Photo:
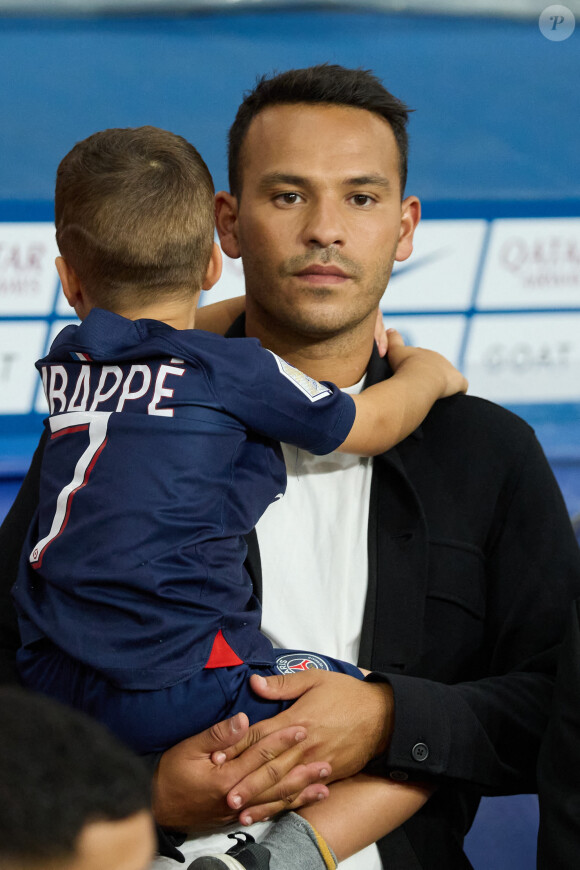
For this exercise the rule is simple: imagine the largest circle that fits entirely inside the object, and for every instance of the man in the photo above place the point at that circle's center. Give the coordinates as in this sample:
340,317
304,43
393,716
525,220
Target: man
449,562
72,797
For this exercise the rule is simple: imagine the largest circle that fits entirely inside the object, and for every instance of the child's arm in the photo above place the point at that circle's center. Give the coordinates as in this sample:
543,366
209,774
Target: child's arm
387,412
362,809
219,316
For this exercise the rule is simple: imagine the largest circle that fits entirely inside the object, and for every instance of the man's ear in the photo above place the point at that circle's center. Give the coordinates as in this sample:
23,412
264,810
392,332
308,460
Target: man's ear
71,287
214,268
410,217
226,221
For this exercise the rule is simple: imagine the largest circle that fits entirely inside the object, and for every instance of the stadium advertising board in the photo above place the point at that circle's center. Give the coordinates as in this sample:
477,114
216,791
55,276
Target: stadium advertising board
499,296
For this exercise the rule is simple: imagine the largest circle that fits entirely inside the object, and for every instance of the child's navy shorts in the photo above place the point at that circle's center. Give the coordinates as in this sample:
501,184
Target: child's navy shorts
152,721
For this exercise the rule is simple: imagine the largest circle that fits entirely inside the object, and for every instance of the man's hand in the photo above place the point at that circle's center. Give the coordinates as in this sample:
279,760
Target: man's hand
190,784
347,721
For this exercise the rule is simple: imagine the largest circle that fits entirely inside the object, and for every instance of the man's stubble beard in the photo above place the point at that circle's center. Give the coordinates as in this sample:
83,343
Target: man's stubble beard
318,319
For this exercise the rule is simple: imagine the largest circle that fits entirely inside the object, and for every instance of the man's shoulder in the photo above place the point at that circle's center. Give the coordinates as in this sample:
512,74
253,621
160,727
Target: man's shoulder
474,446
470,424
467,410
463,417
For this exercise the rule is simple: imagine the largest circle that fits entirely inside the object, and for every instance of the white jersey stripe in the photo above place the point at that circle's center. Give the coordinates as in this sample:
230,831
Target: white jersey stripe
96,423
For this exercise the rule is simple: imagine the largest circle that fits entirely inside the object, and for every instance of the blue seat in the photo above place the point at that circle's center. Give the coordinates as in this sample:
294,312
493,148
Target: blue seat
504,833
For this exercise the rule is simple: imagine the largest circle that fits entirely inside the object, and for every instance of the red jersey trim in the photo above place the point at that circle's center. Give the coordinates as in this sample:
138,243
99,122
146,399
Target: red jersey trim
222,655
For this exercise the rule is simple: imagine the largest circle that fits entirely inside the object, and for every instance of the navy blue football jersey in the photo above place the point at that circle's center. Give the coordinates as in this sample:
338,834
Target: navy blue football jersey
163,452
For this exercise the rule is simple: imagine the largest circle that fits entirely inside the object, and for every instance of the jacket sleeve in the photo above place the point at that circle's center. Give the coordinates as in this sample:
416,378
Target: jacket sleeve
12,536
559,763
486,732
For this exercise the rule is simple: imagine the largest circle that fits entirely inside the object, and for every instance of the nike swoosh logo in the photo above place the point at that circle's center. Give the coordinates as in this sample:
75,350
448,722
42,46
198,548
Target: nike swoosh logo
421,262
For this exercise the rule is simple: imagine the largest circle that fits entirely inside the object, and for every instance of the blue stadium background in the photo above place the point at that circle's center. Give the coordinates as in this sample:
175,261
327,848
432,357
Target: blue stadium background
495,132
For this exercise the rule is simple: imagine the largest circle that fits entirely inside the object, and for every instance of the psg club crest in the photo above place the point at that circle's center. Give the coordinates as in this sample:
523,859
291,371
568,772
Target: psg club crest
293,663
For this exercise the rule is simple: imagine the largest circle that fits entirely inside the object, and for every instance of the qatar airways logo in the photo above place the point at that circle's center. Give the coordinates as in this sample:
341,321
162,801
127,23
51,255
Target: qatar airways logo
20,269
532,263
28,278
547,261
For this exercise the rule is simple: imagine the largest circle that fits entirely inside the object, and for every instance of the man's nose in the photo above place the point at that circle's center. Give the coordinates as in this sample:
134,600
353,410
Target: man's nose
324,225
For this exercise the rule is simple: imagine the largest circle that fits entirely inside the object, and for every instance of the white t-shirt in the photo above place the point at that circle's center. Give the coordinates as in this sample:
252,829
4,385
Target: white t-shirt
313,549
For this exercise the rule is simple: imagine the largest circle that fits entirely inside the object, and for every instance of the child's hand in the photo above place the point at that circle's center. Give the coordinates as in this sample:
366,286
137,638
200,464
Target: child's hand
452,381
381,339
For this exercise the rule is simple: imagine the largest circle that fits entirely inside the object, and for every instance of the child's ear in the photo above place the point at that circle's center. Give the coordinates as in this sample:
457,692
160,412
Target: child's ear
70,283
214,268
72,288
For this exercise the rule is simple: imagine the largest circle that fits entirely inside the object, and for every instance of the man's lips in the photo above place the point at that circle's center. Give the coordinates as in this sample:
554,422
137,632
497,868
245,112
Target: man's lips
323,274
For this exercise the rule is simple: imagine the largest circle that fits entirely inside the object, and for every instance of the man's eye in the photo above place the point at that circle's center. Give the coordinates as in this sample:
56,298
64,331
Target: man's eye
362,199
288,198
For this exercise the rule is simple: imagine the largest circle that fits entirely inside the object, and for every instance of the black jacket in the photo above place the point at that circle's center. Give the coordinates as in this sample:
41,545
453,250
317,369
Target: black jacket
472,568
473,565
559,763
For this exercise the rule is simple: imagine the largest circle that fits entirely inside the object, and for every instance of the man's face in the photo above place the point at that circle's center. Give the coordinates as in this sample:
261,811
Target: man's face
319,221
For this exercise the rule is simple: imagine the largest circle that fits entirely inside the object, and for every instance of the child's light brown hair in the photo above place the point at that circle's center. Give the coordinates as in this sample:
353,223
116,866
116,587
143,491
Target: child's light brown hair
134,215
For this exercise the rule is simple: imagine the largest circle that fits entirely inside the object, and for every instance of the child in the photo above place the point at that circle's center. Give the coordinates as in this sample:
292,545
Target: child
164,451
72,796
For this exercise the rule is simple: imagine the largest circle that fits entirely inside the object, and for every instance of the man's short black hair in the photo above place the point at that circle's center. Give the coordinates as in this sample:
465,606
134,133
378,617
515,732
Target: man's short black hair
325,83
59,770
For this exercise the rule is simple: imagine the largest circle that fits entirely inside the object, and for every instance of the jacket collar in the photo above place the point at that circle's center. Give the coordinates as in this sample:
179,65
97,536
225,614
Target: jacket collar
379,370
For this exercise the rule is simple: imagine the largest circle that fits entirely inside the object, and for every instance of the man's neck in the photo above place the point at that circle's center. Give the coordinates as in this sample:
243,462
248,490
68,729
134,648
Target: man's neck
342,359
